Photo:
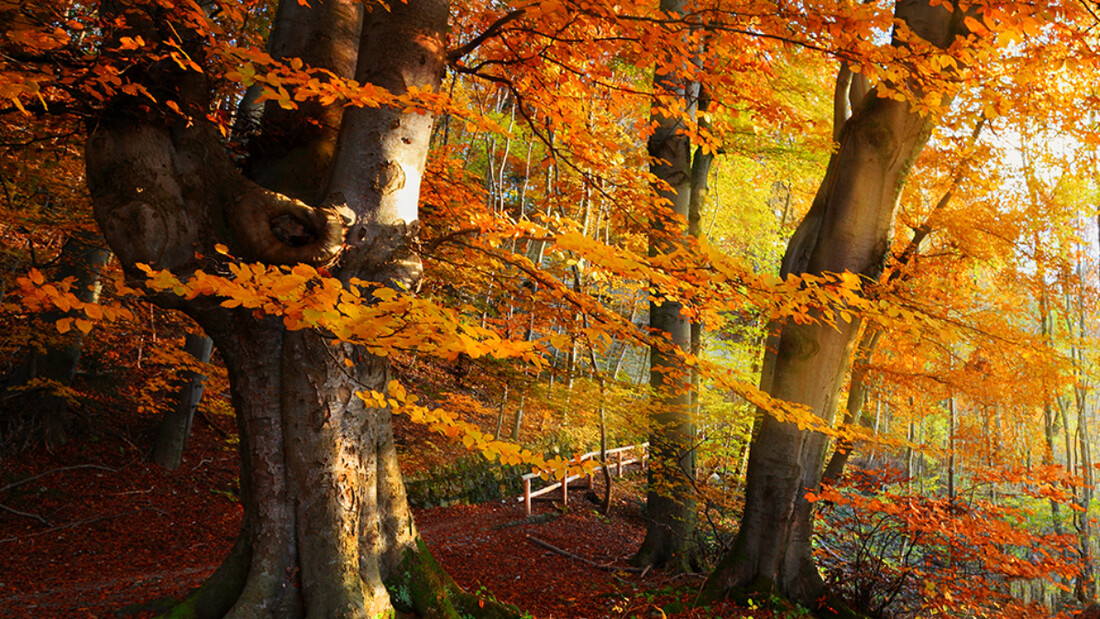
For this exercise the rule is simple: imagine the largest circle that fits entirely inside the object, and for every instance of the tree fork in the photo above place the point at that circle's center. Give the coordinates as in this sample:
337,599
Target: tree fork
326,522
846,230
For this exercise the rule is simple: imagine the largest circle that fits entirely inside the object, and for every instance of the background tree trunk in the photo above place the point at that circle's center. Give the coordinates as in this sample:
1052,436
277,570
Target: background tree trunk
175,427
670,494
42,413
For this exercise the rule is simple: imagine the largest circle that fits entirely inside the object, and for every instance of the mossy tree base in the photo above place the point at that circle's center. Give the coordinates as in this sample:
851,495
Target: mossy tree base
419,587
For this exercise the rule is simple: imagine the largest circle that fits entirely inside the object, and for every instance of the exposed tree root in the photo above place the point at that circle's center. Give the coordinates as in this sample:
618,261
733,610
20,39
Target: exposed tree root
419,587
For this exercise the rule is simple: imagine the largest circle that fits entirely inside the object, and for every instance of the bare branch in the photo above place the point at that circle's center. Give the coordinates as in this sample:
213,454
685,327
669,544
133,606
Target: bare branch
491,31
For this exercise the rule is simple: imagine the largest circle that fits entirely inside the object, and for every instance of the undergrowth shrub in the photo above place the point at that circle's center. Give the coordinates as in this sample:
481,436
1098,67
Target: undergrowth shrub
893,554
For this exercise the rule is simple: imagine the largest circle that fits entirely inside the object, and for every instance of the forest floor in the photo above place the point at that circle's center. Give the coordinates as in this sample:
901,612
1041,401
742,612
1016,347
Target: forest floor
92,528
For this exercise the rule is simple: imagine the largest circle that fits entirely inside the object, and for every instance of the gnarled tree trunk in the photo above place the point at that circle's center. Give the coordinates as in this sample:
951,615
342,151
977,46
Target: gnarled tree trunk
847,228
327,531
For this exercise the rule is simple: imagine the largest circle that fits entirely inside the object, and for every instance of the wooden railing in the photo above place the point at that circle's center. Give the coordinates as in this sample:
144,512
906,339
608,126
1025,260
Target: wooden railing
616,459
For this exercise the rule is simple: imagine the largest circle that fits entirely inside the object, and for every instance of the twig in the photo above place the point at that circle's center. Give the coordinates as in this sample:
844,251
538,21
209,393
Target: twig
58,470
24,514
76,523
599,566
133,492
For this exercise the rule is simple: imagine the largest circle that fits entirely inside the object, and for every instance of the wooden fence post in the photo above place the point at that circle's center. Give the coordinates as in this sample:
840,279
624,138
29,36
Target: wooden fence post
527,494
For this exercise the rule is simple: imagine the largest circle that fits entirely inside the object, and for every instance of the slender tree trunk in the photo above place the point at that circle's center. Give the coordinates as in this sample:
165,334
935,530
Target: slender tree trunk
517,423
847,229
1048,459
670,498
853,411
953,420
1086,580
700,176
910,457
176,425
500,412
605,503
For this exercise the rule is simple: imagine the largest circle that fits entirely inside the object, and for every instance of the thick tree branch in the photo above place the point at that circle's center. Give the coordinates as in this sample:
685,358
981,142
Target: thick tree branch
491,31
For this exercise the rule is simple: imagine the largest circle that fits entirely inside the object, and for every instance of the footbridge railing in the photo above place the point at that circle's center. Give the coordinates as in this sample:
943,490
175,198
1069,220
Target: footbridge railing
617,460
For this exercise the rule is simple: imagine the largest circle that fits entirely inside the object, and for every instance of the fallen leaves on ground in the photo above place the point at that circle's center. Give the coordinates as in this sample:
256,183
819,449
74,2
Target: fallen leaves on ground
104,528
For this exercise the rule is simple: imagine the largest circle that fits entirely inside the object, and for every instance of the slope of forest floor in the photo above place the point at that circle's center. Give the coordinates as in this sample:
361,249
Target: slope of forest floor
93,527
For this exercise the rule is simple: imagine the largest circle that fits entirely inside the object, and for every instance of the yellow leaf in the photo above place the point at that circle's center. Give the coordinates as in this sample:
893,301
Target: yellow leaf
64,325
130,43
83,325
221,249
385,294
94,312
36,277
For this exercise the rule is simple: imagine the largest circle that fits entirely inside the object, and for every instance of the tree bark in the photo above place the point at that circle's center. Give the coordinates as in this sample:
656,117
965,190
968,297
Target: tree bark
848,229
670,493
176,425
42,413
327,530
1085,587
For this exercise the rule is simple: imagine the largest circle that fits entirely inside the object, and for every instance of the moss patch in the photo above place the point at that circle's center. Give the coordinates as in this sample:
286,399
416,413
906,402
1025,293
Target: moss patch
422,588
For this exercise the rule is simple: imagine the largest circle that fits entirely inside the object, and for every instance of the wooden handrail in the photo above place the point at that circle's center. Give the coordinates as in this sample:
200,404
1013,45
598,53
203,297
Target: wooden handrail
617,467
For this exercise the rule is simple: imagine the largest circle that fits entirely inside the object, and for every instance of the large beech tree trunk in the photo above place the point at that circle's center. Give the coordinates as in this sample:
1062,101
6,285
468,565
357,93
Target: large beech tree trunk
327,531
847,229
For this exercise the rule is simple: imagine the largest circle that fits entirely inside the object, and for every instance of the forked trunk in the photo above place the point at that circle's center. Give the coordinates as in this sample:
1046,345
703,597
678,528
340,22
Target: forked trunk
327,531
847,229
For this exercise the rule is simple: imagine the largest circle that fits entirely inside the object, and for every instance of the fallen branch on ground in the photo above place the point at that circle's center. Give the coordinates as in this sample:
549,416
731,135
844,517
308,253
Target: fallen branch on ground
599,566
25,514
57,470
77,523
